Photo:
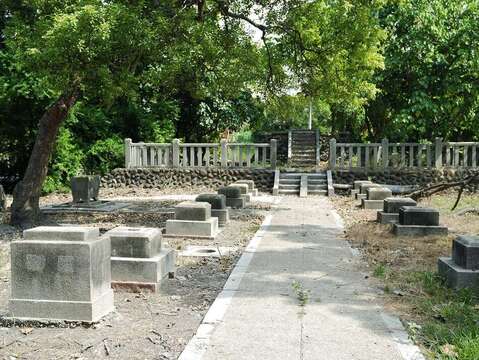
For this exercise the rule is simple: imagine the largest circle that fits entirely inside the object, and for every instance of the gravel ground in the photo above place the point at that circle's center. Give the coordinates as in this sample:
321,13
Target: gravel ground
144,325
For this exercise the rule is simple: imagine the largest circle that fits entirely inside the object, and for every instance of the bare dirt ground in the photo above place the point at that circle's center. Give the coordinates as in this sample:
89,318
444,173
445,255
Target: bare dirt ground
395,258
144,325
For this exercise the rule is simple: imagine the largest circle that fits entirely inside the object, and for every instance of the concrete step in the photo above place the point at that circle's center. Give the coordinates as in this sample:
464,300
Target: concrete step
317,192
289,176
289,181
288,192
317,187
289,186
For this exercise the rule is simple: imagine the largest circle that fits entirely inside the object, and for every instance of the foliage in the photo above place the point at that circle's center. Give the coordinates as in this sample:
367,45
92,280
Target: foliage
429,86
105,155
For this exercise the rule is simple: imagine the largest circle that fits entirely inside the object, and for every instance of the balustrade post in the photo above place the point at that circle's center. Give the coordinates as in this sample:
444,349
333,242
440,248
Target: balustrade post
224,153
273,153
438,153
385,152
128,153
290,145
332,154
176,152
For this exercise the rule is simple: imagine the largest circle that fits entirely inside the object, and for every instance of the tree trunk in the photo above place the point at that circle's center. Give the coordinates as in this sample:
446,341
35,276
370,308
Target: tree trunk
25,207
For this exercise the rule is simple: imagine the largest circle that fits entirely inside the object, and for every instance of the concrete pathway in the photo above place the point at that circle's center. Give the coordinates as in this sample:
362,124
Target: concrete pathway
258,314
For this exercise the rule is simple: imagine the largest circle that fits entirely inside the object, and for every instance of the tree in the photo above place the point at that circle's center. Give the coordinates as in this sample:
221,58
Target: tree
430,84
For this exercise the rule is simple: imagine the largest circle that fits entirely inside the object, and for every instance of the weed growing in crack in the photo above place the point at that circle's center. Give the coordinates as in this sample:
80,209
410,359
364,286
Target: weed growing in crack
301,293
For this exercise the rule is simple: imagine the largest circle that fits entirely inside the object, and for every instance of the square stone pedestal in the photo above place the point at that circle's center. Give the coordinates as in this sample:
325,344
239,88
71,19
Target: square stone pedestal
236,203
372,204
207,229
143,273
233,195
223,216
457,277
419,230
61,273
387,218
138,260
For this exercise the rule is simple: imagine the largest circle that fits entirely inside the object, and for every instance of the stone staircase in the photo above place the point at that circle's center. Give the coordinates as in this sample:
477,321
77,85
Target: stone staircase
301,184
303,148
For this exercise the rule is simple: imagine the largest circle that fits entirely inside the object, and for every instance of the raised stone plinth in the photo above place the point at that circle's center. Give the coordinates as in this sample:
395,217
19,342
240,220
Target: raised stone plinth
357,184
363,188
192,210
251,186
85,188
416,221
371,204
218,207
390,213
61,273
462,269
217,201
378,193
138,260
412,215
233,195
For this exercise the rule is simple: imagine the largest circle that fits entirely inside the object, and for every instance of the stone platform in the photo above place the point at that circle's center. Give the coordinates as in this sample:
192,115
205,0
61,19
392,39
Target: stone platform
204,229
419,230
456,276
61,273
371,204
387,218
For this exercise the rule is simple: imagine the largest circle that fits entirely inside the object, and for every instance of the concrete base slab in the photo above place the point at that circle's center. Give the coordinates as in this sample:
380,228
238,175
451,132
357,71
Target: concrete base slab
236,203
372,204
360,196
418,230
43,310
456,276
143,272
191,228
387,218
354,192
223,216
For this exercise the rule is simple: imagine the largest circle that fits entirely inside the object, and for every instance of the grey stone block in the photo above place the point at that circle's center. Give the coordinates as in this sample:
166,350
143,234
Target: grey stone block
250,184
457,277
238,203
247,198
144,272
372,204
254,192
223,216
64,233
354,192
379,193
387,218
465,252
242,187
412,215
360,196
418,230
364,187
61,280
191,210
217,201
231,192
393,204
357,184
189,228
134,242
85,188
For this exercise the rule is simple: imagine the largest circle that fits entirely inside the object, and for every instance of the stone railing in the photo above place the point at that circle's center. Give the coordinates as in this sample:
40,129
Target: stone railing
224,154
386,155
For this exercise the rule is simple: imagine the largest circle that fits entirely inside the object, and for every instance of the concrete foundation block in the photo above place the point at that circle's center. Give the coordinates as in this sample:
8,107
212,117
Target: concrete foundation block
393,204
192,210
418,230
254,192
85,188
230,192
217,201
360,197
357,184
354,192
143,273
247,198
242,187
372,204
63,233
61,279
190,228
387,218
134,242
412,215
378,193
236,203
465,252
364,187
250,184
223,216
457,277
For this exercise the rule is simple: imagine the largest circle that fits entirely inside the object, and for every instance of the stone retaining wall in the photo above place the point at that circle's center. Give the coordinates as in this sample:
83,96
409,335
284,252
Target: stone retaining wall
181,177
420,177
